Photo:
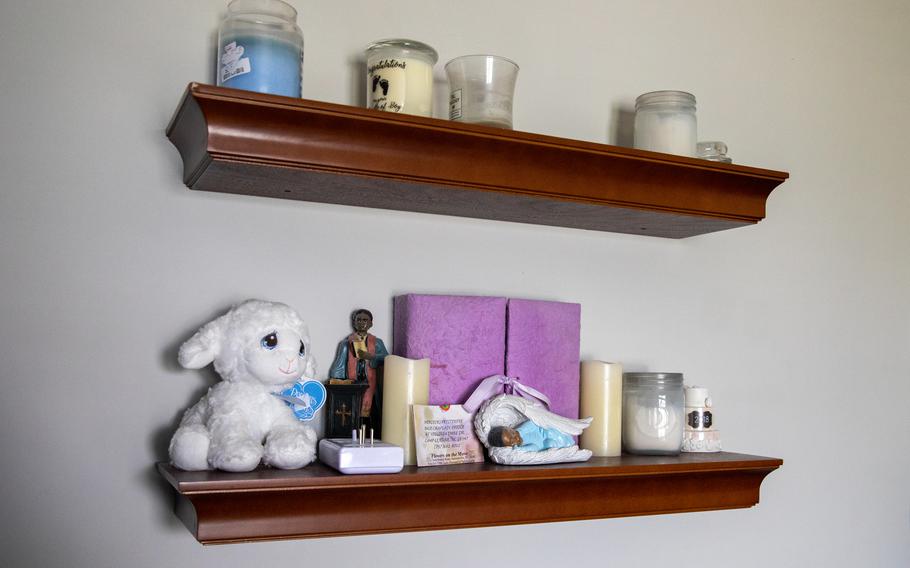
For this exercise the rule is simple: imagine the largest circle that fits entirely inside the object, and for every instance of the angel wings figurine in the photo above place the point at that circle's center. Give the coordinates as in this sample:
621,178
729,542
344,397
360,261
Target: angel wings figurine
518,431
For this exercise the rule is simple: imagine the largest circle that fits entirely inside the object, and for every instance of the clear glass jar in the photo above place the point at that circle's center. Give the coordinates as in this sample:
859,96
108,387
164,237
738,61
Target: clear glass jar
714,151
260,48
665,122
653,413
400,76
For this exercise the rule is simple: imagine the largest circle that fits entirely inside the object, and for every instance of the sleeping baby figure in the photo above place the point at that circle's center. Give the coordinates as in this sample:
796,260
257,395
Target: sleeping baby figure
529,437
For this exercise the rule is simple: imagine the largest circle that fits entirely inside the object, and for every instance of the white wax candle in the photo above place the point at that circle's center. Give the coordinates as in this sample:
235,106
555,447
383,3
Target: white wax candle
406,382
668,132
601,398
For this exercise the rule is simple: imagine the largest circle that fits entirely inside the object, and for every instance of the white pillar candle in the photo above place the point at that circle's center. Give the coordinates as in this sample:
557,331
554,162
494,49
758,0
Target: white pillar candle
406,382
601,398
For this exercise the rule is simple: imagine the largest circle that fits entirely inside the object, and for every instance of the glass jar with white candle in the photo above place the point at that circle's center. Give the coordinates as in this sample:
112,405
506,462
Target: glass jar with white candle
400,76
260,48
653,413
665,122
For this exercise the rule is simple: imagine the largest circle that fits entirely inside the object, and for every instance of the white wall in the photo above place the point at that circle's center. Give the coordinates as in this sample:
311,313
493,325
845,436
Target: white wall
800,325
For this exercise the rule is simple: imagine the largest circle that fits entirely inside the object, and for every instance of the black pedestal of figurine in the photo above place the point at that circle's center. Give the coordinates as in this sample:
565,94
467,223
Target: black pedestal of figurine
342,414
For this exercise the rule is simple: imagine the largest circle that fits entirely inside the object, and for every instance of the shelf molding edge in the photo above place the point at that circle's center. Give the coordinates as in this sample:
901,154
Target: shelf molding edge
248,143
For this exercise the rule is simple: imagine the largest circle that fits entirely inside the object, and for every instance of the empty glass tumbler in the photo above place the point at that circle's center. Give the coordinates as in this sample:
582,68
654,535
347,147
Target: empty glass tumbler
481,89
260,48
665,122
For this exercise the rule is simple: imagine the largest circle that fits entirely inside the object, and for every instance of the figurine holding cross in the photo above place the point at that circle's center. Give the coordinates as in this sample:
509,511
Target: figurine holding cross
358,357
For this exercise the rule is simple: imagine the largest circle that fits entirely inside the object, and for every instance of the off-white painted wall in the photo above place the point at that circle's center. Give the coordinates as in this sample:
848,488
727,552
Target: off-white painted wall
800,325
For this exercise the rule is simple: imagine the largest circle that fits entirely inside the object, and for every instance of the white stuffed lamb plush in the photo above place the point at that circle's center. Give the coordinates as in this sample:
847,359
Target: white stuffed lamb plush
258,348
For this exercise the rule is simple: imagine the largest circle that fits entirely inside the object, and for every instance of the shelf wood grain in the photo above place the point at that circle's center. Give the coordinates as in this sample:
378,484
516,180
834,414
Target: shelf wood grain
264,145
269,504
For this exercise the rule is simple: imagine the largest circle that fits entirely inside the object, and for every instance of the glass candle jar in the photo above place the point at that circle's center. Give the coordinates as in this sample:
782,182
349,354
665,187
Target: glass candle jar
665,122
714,151
260,48
400,76
653,413
481,89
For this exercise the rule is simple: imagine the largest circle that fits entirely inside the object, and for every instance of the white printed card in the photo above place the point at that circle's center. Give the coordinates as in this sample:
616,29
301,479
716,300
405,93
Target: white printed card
445,435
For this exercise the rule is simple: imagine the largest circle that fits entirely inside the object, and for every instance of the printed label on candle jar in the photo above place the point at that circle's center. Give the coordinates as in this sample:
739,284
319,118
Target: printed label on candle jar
233,63
455,105
387,84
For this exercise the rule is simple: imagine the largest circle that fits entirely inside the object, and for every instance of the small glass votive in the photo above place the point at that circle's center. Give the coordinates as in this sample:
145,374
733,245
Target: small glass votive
400,76
665,122
481,89
714,151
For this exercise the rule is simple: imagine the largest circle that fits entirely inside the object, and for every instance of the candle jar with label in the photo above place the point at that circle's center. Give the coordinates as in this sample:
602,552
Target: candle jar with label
653,413
260,48
400,76
665,122
481,89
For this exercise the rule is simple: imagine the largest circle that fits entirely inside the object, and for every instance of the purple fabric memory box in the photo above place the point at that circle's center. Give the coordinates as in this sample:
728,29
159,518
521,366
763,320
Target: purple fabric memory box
469,338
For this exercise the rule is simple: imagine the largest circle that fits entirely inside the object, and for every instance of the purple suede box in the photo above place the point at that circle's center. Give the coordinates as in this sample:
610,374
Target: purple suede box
542,350
464,337
469,338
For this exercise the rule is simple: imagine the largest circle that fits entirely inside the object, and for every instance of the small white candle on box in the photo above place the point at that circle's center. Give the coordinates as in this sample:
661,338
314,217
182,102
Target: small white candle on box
406,382
601,398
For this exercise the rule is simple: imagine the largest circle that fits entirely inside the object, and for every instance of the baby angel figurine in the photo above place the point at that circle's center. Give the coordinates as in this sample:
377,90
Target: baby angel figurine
518,431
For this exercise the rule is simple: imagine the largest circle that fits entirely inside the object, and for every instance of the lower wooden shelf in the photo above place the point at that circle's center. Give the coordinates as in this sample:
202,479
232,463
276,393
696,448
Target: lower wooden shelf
316,501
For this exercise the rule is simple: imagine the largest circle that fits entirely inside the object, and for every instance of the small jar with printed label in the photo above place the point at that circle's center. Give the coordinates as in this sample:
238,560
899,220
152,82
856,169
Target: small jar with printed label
260,48
400,76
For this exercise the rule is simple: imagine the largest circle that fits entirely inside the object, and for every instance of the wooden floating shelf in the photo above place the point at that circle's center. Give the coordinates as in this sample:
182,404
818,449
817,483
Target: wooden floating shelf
316,501
242,142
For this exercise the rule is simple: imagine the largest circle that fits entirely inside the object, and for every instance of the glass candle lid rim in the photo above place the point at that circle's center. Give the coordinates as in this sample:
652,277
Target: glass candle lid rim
276,8
671,379
407,45
496,57
665,97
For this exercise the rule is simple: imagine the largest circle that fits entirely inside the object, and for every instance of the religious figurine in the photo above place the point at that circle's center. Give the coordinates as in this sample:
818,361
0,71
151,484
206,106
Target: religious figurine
520,431
358,357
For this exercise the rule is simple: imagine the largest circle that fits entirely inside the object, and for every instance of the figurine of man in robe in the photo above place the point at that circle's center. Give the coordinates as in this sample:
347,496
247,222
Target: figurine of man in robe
358,356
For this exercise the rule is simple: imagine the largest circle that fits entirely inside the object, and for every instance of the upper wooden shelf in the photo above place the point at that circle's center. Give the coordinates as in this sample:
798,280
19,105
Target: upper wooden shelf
242,142
316,501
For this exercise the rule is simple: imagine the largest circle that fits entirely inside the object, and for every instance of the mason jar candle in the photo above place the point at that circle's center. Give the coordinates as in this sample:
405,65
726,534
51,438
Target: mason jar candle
400,76
665,122
260,48
653,413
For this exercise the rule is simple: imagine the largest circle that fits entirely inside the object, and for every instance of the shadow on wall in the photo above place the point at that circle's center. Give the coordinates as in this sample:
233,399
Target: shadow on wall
357,66
623,127
160,439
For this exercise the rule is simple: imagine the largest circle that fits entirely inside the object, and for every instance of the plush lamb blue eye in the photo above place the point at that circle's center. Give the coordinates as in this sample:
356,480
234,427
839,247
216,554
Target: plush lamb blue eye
302,349
270,341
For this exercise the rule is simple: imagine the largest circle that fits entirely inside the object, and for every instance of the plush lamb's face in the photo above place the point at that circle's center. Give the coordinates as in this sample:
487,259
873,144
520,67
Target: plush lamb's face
277,356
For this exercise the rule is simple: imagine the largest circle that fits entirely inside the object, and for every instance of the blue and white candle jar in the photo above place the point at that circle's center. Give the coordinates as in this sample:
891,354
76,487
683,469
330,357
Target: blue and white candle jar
260,48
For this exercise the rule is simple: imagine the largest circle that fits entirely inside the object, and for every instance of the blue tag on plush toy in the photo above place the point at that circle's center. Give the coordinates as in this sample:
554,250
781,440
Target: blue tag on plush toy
304,398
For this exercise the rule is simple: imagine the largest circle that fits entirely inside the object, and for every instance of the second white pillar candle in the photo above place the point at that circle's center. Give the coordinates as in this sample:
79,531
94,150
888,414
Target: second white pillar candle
601,398
406,382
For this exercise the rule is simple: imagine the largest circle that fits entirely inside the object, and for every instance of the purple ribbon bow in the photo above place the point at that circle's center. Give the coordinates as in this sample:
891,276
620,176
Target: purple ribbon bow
496,384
